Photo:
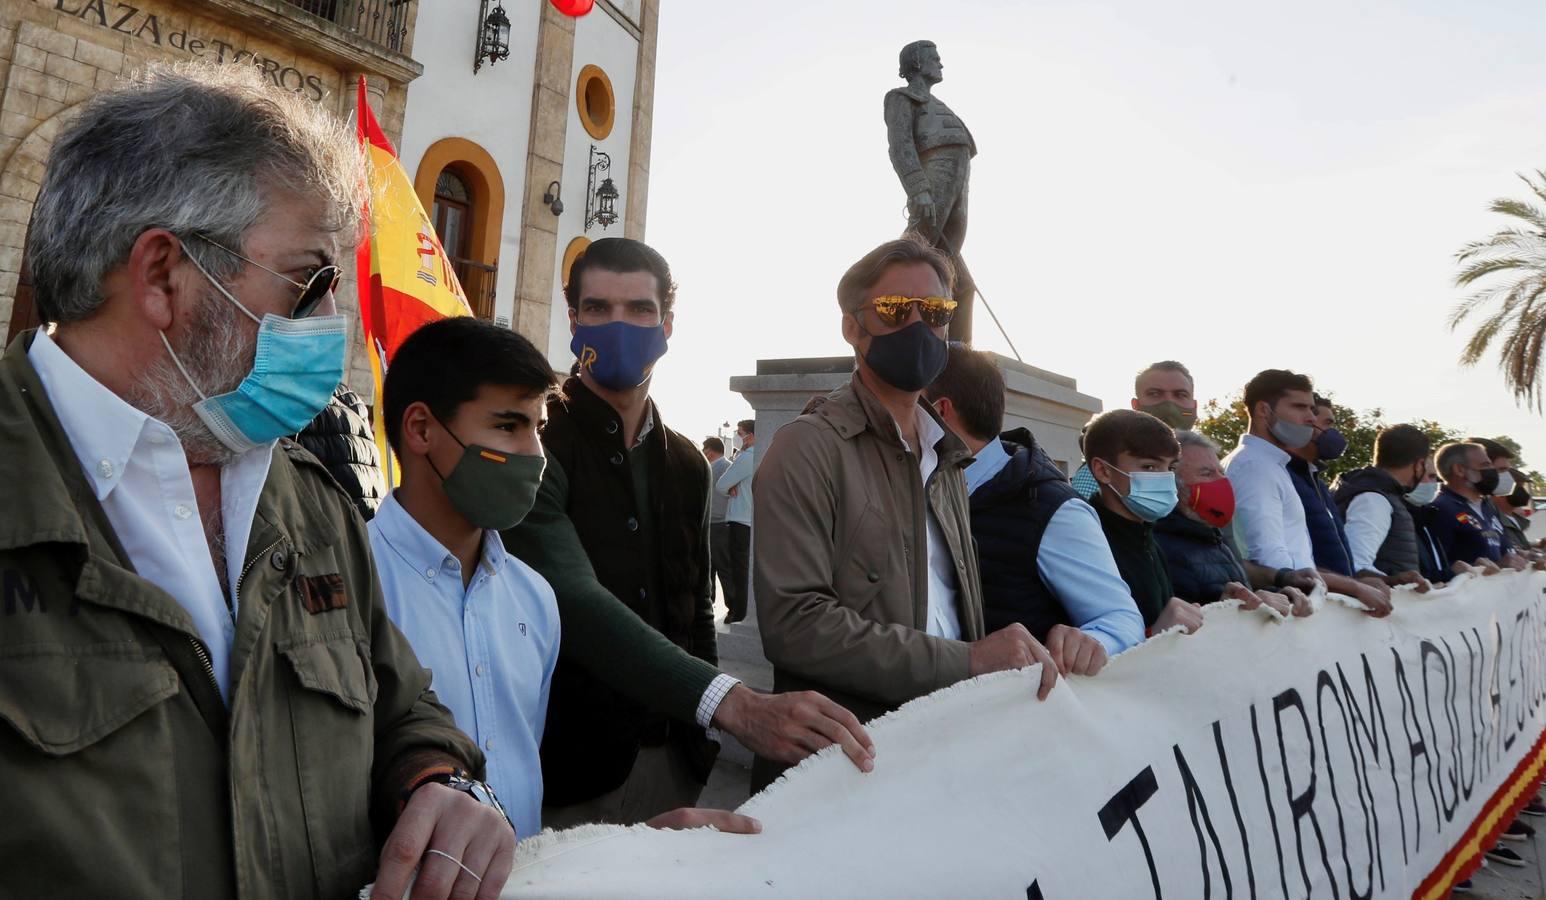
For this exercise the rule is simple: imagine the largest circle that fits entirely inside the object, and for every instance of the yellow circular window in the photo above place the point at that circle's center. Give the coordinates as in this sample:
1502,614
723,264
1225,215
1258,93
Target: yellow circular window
593,96
571,252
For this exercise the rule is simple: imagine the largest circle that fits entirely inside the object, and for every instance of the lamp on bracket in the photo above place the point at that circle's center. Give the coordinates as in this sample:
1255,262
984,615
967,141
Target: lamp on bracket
551,198
600,200
493,34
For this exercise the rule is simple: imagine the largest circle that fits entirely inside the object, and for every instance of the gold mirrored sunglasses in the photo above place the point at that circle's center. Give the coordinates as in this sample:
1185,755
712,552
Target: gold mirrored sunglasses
936,312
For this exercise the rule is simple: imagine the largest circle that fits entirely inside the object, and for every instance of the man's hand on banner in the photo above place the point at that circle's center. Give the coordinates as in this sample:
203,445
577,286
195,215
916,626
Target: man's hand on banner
458,845
1178,612
1074,652
1250,599
1012,647
1516,562
787,728
1303,580
1483,566
718,819
1415,579
1299,600
1376,602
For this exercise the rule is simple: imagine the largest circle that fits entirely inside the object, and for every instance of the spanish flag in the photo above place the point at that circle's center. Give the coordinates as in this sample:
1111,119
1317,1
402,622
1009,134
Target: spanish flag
410,279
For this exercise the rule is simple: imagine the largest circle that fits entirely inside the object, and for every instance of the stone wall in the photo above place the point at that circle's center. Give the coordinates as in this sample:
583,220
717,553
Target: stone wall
54,54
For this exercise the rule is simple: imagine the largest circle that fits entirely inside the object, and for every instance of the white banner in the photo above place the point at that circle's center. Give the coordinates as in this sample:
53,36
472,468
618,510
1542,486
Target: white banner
1334,756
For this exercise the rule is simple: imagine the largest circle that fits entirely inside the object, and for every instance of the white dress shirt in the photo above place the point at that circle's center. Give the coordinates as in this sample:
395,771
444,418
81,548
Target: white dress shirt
944,615
491,646
138,471
1269,515
1368,524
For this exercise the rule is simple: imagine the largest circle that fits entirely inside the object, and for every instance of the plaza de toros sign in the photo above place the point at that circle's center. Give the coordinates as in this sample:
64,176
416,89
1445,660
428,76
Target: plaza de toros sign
161,30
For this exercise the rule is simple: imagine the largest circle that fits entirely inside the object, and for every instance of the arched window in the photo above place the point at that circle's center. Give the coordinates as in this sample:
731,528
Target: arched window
454,216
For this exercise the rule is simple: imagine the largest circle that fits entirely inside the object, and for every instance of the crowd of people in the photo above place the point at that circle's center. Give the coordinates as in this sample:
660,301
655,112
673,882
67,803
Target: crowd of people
209,647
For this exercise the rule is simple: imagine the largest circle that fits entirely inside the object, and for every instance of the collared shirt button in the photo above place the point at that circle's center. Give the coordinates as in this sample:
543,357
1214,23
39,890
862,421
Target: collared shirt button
277,560
643,594
633,524
617,458
105,468
488,744
479,670
612,427
182,511
429,573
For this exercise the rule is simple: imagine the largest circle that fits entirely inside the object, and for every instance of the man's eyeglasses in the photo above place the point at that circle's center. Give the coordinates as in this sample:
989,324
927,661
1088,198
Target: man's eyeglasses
936,312
321,283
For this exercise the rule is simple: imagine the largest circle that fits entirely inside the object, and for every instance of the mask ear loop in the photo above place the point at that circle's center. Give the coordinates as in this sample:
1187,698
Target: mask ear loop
219,287
180,367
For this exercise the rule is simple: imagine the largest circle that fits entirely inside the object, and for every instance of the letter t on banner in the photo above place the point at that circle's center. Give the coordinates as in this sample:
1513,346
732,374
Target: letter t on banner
404,275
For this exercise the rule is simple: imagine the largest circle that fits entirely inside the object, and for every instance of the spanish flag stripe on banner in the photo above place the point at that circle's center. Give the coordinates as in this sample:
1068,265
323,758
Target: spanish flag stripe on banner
405,278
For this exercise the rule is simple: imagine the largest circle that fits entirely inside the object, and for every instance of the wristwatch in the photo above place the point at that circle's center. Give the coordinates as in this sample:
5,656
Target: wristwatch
477,790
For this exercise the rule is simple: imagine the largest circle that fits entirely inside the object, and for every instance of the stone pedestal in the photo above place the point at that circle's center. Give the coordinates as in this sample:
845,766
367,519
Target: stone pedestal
1049,404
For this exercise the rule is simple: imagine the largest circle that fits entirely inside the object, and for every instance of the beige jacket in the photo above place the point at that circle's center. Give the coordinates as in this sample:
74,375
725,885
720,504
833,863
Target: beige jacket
841,558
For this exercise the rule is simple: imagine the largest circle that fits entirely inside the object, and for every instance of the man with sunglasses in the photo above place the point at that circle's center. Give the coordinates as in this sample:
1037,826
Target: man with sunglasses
197,648
864,569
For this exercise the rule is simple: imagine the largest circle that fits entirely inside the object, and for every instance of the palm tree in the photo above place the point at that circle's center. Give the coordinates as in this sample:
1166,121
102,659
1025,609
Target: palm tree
1519,319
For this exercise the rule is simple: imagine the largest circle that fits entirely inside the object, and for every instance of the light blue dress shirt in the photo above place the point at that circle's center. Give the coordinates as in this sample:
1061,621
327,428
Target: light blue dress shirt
739,475
491,647
1075,563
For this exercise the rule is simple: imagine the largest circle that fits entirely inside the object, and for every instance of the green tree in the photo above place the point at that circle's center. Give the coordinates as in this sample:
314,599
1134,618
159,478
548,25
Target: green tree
1516,254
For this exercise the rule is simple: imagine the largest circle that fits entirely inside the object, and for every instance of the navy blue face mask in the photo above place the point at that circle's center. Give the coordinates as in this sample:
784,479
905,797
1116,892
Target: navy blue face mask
909,359
619,355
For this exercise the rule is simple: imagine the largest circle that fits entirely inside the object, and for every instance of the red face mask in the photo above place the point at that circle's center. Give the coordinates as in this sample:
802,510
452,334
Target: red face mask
1214,501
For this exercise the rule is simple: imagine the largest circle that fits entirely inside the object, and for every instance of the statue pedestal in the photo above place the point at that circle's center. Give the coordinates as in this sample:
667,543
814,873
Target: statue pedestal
1049,404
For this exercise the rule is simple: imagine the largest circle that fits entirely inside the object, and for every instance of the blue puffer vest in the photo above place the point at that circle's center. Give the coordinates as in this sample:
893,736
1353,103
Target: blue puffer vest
1328,538
1009,516
1198,556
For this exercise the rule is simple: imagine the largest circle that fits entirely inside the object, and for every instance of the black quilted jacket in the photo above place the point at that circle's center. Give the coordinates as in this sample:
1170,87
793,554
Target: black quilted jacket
341,437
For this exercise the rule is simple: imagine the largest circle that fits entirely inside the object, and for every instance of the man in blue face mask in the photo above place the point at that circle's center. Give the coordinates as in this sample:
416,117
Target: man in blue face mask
1133,458
622,519
241,701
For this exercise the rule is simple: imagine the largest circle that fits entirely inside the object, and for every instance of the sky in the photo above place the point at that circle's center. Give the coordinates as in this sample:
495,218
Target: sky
1238,186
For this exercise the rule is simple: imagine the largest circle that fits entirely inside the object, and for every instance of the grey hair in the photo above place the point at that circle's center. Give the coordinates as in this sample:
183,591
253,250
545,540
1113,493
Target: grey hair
1196,439
193,148
1454,454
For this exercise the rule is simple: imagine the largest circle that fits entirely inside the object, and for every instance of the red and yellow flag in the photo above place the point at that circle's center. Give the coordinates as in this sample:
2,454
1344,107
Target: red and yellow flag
405,278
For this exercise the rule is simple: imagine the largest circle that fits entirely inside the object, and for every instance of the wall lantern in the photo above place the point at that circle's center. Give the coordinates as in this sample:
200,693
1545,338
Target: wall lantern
493,35
551,198
600,201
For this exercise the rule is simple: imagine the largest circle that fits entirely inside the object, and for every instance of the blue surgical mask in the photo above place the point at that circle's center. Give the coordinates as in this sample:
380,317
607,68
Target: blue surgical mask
1150,495
297,366
1424,494
619,355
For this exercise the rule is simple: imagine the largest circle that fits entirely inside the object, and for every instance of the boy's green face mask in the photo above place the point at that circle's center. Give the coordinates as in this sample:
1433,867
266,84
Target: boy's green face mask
491,488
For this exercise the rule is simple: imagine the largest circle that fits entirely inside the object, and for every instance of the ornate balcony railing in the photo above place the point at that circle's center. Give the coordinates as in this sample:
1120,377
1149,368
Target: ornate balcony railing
382,22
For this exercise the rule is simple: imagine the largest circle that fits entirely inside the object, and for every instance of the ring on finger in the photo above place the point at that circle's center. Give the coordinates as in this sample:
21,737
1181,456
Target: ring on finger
458,862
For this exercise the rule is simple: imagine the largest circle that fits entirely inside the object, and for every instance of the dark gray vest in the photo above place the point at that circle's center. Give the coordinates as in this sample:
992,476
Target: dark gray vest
1399,552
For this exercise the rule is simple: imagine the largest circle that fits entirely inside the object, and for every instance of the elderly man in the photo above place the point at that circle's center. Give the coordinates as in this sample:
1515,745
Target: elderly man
1465,524
1203,564
201,657
865,573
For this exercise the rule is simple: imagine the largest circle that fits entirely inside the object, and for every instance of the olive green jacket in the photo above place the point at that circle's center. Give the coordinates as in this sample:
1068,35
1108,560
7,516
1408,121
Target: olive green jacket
122,772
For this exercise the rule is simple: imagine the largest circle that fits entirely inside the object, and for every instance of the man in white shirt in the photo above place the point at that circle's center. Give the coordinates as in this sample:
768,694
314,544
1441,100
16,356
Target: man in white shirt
462,403
203,587
1269,514
736,485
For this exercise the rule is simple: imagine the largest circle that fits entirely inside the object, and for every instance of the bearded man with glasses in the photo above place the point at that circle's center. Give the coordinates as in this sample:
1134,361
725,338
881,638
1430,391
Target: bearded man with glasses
200,656
864,569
